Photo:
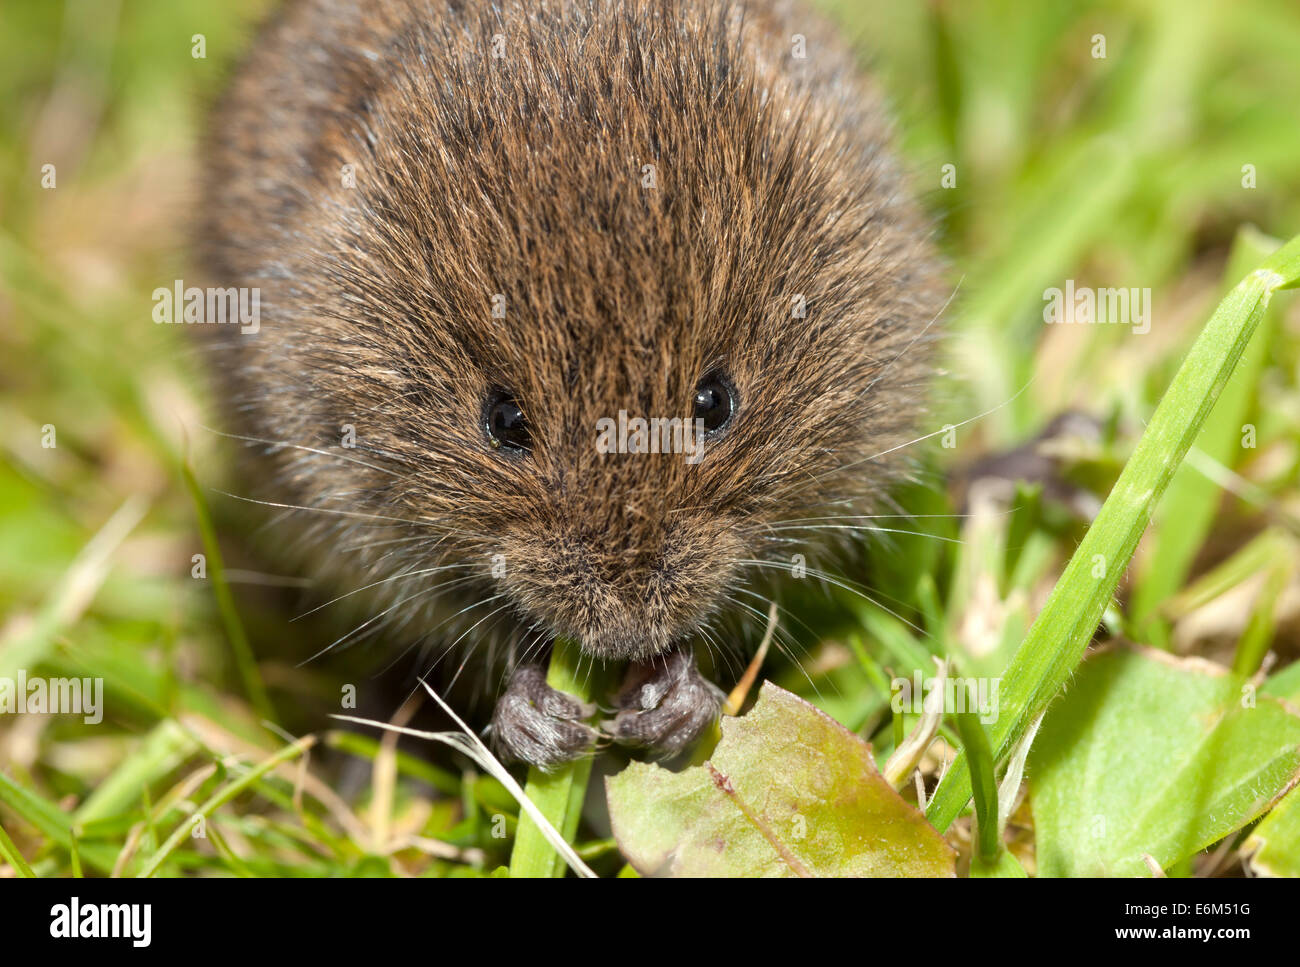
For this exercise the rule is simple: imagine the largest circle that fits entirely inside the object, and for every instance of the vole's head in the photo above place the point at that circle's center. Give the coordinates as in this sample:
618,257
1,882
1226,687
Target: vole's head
540,249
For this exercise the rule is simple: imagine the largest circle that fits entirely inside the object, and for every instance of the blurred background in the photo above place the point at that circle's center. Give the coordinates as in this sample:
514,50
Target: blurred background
1123,143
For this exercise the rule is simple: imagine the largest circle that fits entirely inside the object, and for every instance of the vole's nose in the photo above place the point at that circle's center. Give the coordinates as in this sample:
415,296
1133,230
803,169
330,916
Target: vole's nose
620,598
627,550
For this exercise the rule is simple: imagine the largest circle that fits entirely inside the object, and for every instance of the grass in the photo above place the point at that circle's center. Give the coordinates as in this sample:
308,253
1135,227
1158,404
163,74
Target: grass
1066,625
559,794
1128,170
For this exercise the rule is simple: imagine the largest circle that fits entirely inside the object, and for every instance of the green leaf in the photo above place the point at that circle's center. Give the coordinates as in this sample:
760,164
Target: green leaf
1151,754
1005,866
1285,684
788,792
1275,842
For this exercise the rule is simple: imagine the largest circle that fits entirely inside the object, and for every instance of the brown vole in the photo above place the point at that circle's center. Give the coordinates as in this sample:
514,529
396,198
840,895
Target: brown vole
483,232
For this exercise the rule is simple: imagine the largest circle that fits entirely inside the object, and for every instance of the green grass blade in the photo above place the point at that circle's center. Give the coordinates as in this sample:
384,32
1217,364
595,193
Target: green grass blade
1187,512
558,794
1057,641
239,645
162,750
975,745
221,797
9,853
52,822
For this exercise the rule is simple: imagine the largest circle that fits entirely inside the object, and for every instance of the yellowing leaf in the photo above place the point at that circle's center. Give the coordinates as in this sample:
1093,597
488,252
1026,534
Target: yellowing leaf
788,792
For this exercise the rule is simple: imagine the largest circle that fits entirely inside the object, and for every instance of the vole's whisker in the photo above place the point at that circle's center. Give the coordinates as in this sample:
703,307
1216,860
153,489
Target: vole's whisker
370,621
801,520
590,661
429,633
461,636
469,654
927,436
525,653
767,599
733,655
861,529
284,445
917,338
368,545
782,632
396,577
846,584
706,641
779,640
425,552
319,510
435,589
728,654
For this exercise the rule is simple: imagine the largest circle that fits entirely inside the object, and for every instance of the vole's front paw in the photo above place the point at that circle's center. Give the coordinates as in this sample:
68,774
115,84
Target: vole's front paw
537,724
665,703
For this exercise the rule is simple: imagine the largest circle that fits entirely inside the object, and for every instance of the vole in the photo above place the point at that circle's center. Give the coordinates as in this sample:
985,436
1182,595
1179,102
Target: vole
486,231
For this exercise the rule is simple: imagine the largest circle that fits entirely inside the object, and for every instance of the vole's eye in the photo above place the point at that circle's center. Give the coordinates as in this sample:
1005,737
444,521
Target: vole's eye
504,423
715,401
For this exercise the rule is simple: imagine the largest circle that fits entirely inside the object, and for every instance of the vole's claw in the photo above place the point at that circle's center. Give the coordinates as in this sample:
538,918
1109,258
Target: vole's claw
540,725
664,704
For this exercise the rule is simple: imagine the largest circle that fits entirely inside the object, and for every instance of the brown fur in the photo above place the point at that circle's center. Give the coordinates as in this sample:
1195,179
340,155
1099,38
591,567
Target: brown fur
523,176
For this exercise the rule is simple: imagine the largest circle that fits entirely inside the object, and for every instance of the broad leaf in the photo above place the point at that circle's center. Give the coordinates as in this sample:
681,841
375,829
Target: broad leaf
788,792
1274,844
1005,866
1151,754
